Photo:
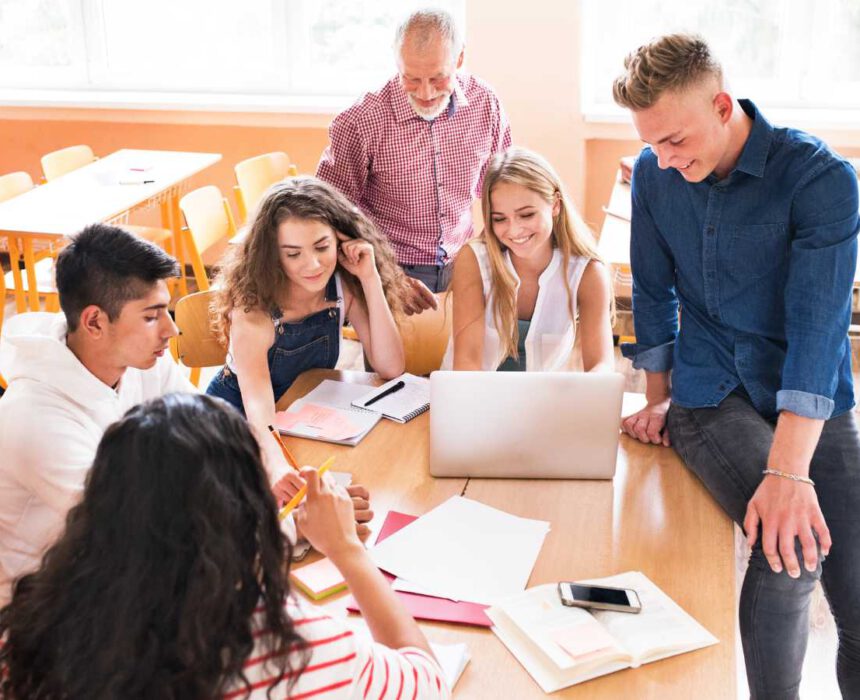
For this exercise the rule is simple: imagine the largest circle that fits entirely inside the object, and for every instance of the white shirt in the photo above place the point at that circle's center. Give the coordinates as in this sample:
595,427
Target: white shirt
52,418
549,342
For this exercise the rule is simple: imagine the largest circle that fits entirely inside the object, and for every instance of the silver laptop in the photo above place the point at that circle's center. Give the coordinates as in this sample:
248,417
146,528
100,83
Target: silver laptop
543,425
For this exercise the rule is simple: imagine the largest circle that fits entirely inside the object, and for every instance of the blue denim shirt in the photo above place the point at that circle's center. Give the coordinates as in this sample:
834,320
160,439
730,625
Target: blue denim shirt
761,263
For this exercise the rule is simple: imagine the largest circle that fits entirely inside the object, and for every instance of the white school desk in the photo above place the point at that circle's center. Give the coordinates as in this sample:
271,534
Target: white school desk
92,194
654,517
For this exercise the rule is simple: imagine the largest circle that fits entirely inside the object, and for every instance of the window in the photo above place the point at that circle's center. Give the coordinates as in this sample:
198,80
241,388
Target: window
325,48
791,54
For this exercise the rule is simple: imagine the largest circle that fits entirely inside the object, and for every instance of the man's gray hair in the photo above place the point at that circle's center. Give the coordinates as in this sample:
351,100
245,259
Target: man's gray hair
424,25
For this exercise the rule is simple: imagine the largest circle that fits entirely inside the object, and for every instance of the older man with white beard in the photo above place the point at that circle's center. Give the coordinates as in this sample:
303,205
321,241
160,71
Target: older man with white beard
412,155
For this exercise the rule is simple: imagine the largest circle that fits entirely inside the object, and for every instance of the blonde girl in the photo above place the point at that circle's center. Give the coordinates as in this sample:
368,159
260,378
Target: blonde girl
531,280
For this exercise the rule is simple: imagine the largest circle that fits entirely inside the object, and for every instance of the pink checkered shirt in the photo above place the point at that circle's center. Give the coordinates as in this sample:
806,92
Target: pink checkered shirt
414,178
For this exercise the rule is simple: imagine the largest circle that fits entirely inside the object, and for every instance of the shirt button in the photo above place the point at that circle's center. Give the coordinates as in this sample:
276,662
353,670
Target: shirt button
710,230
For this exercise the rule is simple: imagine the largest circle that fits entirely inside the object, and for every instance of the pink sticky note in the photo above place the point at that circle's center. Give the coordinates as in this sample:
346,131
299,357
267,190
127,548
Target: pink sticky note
330,422
583,640
319,579
284,420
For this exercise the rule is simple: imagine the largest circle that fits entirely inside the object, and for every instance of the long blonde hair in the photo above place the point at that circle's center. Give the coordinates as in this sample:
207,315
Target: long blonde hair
251,276
570,235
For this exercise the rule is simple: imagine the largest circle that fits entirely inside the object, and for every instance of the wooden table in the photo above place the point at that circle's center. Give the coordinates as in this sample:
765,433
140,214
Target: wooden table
91,194
654,517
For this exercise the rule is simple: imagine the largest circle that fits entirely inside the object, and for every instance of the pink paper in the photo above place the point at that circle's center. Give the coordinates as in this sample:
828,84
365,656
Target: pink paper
328,422
284,420
583,640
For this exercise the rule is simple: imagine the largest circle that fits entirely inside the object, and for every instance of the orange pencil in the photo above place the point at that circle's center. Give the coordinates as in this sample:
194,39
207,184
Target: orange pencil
287,454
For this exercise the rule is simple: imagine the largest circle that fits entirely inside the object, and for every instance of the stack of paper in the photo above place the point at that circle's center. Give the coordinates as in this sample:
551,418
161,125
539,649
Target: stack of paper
561,646
423,607
465,551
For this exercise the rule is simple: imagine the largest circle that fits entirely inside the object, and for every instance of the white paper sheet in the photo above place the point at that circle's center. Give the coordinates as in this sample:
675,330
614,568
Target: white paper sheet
464,550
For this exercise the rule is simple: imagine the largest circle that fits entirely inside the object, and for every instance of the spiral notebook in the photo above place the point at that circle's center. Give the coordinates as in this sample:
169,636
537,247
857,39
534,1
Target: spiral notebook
399,403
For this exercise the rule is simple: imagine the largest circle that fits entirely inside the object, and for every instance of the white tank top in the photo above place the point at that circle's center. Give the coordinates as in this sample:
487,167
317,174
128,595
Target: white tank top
549,342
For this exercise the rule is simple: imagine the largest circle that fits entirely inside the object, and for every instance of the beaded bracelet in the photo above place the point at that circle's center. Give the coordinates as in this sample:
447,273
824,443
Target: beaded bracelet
786,475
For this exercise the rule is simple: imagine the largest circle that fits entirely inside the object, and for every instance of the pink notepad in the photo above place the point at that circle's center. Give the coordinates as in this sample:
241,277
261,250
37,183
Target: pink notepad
318,580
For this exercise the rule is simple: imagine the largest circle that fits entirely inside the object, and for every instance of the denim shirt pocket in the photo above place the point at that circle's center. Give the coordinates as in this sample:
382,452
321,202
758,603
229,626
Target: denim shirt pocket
757,250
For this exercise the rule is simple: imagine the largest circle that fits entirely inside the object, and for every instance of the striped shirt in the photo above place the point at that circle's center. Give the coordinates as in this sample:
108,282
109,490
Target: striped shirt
344,665
416,179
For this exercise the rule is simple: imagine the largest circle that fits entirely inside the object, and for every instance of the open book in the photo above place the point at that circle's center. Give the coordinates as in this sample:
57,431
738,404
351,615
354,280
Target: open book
561,646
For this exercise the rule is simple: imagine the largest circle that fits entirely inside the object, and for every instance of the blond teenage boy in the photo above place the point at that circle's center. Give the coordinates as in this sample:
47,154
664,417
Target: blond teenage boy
750,231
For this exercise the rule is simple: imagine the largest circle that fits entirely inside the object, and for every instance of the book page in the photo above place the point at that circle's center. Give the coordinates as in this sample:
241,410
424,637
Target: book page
661,629
568,636
545,673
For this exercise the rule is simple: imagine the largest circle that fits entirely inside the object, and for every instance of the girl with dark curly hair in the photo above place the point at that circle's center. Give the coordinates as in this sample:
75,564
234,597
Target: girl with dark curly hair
169,581
310,260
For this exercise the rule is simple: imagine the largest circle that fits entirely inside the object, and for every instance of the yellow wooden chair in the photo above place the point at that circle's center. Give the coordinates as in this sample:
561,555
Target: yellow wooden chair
11,185
58,163
197,345
425,337
208,221
255,175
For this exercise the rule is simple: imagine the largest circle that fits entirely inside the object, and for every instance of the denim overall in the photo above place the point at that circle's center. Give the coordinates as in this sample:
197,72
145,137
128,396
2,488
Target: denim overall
312,343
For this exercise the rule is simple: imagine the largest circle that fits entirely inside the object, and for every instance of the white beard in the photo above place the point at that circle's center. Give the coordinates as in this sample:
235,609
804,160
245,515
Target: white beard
431,113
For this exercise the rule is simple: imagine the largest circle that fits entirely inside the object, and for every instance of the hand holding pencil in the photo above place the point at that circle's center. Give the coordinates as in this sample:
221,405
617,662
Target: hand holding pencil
290,483
297,499
327,517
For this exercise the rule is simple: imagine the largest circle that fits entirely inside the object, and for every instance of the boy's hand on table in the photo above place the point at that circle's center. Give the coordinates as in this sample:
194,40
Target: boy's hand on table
287,487
361,505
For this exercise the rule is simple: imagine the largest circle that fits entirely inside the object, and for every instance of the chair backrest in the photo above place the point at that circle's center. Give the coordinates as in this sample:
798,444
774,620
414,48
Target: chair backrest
58,163
255,175
425,337
197,344
13,184
209,221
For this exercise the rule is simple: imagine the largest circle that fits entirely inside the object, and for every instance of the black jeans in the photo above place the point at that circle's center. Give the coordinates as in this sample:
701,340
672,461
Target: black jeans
727,448
436,277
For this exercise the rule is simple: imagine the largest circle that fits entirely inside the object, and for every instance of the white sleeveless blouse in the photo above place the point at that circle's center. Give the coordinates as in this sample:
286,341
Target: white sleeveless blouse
549,342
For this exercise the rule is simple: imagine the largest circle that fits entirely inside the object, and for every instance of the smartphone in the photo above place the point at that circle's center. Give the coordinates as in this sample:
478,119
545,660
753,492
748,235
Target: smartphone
581,595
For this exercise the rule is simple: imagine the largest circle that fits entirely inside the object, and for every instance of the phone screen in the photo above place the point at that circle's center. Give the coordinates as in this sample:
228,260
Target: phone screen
593,594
